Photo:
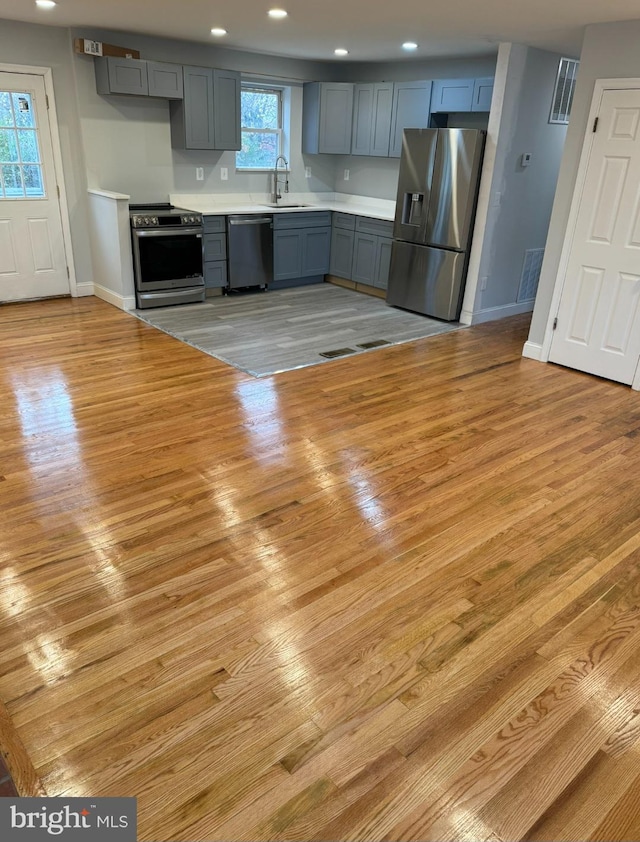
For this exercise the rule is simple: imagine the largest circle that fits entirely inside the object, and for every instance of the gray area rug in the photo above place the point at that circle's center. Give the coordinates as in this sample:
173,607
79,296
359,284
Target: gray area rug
263,333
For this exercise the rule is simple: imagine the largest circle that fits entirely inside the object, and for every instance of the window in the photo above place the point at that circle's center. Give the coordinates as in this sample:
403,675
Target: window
262,128
20,164
563,91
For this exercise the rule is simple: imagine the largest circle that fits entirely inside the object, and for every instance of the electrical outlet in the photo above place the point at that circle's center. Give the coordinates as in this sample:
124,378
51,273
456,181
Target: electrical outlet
224,174
483,283
199,173
307,172
346,175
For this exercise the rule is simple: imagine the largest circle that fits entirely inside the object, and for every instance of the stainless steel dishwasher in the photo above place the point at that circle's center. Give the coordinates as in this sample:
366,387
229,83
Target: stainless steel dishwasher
250,252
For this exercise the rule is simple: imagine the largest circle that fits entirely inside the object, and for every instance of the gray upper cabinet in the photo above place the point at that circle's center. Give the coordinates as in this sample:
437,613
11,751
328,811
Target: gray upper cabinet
372,110
410,111
226,109
121,76
165,80
209,115
327,117
138,78
452,95
192,118
482,94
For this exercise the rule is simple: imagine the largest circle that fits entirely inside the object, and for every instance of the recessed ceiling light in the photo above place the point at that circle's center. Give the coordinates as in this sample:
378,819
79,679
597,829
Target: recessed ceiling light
277,13
218,31
409,45
341,51
45,4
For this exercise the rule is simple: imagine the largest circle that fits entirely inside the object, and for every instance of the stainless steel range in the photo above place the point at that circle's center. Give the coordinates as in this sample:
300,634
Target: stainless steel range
167,255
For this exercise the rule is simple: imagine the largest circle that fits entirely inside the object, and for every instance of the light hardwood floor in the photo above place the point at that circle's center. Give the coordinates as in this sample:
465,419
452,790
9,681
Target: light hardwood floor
393,597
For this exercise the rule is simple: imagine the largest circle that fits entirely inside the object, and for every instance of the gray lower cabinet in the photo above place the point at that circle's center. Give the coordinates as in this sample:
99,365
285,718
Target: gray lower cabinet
383,262
327,117
214,244
341,252
364,258
301,245
411,110
209,115
138,78
361,249
371,260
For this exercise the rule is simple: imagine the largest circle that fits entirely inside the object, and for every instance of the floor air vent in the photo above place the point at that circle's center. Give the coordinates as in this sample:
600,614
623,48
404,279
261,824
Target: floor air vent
377,343
339,352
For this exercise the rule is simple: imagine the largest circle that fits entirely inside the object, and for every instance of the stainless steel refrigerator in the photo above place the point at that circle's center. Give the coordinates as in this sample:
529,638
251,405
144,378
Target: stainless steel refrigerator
435,209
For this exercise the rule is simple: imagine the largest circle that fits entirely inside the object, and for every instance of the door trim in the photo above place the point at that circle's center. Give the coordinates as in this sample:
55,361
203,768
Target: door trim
600,86
52,117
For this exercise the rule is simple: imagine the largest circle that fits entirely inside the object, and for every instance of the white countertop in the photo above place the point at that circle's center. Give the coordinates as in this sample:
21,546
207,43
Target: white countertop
221,203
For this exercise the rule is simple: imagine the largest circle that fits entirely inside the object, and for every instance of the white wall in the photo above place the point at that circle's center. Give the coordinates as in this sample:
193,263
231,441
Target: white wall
610,50
45,46
521,198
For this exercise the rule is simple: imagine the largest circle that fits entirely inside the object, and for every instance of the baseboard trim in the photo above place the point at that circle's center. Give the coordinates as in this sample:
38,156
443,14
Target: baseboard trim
119,301
492,313
84,289
532,351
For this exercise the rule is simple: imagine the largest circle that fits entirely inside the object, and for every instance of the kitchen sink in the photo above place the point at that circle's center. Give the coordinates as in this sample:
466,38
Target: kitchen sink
285,205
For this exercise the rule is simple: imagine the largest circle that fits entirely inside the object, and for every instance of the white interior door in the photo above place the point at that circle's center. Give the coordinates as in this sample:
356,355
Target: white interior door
598,321
32,253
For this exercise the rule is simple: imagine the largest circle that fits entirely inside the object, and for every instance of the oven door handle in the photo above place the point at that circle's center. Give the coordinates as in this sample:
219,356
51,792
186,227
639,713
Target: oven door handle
164,232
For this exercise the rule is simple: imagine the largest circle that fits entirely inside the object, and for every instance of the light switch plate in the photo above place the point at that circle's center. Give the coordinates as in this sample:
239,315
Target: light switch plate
307,172
199,173
346,175
224,174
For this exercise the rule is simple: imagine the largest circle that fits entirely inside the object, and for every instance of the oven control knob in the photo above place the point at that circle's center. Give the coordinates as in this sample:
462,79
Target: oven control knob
154,220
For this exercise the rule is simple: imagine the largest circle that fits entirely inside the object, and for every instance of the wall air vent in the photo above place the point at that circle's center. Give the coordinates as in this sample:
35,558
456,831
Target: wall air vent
563,91
530,274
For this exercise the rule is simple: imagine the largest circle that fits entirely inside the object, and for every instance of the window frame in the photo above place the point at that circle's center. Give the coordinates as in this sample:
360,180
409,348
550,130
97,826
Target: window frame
257,87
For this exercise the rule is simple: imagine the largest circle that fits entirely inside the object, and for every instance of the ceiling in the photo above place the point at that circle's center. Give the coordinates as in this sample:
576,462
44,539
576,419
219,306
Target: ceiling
371,31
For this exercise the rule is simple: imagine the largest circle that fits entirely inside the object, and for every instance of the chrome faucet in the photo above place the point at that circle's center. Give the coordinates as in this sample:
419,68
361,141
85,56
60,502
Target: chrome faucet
276,179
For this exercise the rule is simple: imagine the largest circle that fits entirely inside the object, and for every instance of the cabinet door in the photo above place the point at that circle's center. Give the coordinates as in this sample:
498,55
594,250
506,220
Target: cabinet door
482,93
226,109
410,111
383,262
316,248
362,119
381,119
287,254
215,247
198,108
341,253
165,80
121,76
336,117
364,258
452,95
215,274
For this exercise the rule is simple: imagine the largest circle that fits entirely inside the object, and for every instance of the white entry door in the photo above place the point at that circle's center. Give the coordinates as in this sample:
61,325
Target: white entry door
598,322
32,254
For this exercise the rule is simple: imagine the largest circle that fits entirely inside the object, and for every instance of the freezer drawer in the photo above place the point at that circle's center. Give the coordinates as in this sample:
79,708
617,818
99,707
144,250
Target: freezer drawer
426,280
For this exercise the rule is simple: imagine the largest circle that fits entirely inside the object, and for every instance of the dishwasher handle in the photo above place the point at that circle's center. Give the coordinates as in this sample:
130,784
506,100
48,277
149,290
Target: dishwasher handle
260,220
